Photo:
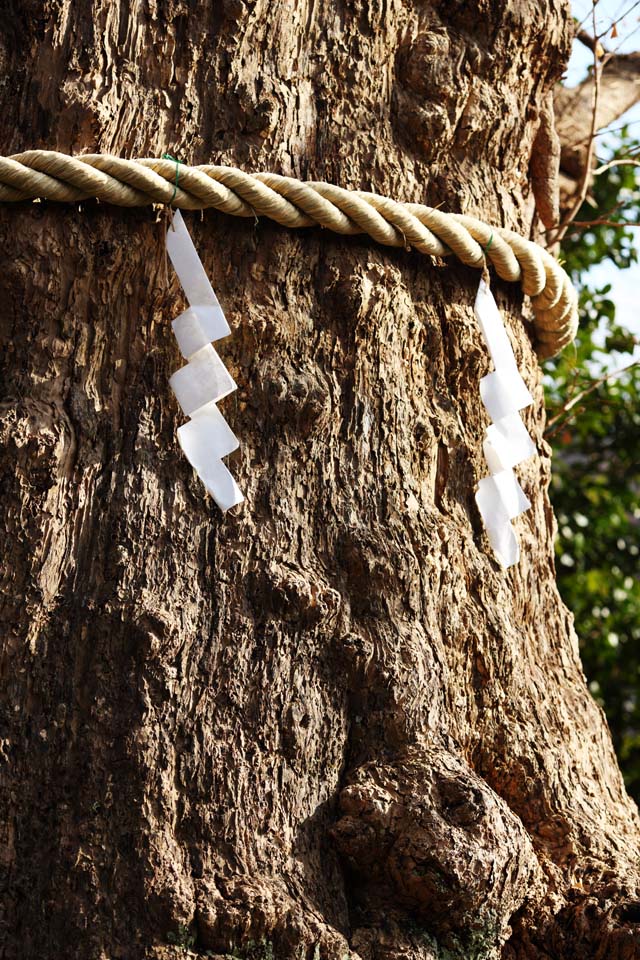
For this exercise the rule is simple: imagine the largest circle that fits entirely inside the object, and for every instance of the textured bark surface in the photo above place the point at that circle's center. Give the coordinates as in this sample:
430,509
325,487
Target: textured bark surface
328,724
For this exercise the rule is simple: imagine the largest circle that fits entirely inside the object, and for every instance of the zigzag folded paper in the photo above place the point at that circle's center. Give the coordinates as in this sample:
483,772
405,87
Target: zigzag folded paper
500,498
204,379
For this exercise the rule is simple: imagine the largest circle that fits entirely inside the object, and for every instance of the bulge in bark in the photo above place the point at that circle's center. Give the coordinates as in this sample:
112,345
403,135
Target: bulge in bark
425,835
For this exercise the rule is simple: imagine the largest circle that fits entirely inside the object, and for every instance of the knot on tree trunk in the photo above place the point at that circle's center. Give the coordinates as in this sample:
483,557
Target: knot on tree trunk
425,836
295,399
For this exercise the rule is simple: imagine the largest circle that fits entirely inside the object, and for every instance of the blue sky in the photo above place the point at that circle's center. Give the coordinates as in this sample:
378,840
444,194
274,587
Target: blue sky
625,283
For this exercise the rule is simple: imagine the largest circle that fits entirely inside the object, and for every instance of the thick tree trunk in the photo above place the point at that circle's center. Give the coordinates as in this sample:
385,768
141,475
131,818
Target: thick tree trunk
328,723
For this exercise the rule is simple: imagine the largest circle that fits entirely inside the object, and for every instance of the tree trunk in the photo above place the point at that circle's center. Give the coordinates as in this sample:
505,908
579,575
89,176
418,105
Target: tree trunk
328,723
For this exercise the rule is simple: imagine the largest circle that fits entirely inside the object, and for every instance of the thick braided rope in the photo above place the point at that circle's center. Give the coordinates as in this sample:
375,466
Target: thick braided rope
292,203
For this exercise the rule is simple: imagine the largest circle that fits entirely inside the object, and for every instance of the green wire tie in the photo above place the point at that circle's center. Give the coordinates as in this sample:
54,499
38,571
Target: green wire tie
167,156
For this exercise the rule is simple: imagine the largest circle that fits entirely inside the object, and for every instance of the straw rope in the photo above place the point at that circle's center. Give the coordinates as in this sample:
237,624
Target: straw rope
292,203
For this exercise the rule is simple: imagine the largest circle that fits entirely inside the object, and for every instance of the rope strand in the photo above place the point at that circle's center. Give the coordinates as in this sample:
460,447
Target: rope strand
46,174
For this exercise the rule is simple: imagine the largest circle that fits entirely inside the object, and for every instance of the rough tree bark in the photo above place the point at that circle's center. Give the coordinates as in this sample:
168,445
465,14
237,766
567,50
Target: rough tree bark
328,724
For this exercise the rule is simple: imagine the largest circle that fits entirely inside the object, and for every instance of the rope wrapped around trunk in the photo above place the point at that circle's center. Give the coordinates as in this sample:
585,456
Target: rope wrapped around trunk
55,176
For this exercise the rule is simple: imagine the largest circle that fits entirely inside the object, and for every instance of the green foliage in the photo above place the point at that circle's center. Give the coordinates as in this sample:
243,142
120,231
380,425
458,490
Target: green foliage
613,197
182,937
252,950
594,425
476,944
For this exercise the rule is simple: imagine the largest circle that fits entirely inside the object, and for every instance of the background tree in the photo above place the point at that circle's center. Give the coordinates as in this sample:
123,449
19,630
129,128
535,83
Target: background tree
594,415
328,723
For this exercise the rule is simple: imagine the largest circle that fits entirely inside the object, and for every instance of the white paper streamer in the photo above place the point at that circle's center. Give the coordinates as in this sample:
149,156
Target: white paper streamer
192,277
194,328
500,498
204,379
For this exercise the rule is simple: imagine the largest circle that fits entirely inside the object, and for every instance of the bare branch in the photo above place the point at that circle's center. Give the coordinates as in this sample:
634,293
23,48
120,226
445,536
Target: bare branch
609,130
622,16
619,90
590,14
605,220
614,23
624,162
592,43
583,224
585,393
584,184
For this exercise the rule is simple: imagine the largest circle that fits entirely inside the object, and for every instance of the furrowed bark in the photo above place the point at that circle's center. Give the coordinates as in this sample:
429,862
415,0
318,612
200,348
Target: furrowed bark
328,724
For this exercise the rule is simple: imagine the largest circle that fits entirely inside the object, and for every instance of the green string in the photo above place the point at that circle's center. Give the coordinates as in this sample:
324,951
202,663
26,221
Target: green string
486,249
167,156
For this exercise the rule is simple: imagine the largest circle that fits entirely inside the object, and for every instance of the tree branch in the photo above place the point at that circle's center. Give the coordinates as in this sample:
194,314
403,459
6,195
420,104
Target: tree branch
586,39
585,393
586,173
619,90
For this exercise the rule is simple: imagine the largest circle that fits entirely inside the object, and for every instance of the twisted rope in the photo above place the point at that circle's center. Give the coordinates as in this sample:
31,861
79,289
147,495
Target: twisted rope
292,203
